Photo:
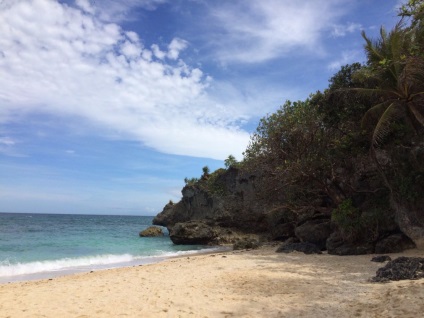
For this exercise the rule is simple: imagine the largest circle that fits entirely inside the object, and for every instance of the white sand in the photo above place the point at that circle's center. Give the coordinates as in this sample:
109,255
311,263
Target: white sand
257,283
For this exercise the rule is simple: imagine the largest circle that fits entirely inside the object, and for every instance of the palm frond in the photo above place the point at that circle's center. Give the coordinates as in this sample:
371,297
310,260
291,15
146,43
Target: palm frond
418,111
413,73
373,114
382,129
373,54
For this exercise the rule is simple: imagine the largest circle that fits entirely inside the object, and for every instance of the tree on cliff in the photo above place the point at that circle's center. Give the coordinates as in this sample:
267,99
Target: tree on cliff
398,73
294,151
230,161
415,10
395,67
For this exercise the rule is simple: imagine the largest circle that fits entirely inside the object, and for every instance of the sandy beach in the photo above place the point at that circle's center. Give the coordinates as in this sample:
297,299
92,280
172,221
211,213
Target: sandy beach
257,283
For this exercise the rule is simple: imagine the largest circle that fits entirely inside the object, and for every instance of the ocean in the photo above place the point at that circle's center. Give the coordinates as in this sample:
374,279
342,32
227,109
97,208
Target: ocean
36,246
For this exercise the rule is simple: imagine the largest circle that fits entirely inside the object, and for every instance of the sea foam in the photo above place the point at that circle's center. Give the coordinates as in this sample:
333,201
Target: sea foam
9,269
83,264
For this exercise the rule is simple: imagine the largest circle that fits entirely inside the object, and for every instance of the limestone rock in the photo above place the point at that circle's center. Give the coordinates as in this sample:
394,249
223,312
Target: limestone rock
152,231
394,244
315,231
247,243
305,247
228,203
281,232
337,246
192,233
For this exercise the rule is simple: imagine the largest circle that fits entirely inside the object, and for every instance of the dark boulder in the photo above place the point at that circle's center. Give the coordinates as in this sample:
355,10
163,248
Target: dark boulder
152,231
192,233
315,231
304,247
337,246
247,243
394,243
400,269
281,232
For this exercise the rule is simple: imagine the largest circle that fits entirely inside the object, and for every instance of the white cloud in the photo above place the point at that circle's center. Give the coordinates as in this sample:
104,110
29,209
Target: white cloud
8,147
175,47
157,52
66,62
116,11
346,57
343,30
85,5
7,141
255,31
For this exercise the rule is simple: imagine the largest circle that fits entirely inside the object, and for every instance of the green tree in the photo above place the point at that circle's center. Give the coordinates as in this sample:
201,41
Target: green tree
398,75
293,150
230,161
191,181
340,106
415,10
206,171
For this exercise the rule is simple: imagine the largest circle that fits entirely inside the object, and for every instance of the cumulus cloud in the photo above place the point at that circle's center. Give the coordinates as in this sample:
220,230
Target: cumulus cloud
175,47
68,62
256,31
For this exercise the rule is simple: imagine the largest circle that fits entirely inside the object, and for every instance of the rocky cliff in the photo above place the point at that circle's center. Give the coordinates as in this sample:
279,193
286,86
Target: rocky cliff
229,205
219,208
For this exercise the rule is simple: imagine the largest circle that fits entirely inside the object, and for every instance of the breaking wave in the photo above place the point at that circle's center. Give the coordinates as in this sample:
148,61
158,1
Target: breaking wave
87,263
9,269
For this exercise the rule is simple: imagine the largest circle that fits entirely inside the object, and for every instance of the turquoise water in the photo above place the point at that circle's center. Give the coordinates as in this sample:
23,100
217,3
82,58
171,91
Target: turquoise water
45,245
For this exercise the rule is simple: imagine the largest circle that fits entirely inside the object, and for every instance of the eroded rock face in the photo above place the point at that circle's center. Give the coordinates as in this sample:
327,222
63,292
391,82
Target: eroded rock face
394,243
193,232
337,246
409,206
229,203
315,231
247,243
304,247
152,231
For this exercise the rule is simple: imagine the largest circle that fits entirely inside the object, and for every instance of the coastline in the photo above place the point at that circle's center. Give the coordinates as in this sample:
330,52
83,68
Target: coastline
257,283
46,269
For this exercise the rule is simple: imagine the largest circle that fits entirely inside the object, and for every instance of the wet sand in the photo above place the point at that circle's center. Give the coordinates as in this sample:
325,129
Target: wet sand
259,283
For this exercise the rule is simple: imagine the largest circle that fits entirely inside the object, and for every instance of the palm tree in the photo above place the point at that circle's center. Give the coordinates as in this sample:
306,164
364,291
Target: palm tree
396,73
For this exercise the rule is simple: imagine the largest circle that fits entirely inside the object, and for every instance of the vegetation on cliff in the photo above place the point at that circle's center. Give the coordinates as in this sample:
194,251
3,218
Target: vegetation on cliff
355,150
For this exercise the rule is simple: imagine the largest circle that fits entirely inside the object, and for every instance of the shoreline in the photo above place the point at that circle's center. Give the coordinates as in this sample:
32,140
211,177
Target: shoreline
77,269
256,283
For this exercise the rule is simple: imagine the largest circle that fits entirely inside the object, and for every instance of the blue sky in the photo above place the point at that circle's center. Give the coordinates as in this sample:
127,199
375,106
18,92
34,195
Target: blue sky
106,106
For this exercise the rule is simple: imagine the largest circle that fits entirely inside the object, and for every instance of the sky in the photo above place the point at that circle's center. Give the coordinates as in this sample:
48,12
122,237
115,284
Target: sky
106,106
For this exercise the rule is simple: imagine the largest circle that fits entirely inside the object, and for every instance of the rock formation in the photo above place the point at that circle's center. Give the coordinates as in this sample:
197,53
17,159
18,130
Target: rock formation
152,231
400,269
223,210
228,205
